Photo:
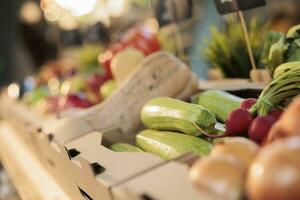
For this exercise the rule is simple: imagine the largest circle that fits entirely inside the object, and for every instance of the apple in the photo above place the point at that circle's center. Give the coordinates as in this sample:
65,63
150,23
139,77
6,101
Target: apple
108,88
73,101
73,84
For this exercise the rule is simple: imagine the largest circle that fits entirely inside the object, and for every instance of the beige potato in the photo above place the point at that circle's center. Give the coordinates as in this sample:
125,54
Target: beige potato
221,176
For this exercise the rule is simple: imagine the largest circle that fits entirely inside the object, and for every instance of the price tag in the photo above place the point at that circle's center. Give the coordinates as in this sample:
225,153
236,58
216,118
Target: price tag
229,6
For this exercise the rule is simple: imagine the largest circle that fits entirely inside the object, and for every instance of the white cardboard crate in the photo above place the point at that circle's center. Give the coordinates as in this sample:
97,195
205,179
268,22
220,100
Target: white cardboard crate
165,182
56,159
84,167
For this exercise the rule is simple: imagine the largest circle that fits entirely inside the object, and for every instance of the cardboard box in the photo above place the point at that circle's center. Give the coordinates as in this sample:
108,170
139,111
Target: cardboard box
97,169
56,159
165,182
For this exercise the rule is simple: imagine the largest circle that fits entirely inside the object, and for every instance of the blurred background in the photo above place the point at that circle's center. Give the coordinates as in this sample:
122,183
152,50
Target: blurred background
35,32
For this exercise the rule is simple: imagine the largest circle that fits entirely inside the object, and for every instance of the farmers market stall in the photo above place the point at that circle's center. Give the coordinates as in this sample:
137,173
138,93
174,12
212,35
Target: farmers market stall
127,118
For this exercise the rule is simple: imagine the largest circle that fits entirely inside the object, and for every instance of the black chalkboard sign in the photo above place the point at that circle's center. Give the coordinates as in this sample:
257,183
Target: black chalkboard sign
229,6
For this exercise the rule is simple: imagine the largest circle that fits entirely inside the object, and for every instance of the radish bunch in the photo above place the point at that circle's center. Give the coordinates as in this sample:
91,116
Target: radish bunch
255,117
241,121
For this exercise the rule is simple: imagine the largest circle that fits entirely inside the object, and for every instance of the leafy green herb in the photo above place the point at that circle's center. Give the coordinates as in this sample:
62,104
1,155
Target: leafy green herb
227,49
280,48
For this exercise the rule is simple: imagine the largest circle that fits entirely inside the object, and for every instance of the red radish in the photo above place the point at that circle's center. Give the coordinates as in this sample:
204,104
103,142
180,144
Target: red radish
238,122
260,128
264,141
276,114
247,103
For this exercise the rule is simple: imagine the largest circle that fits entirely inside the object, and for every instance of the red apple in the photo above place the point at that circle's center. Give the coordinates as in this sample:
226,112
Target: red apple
73,101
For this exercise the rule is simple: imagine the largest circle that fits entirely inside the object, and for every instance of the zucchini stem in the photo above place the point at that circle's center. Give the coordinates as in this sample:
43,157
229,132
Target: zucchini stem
205,133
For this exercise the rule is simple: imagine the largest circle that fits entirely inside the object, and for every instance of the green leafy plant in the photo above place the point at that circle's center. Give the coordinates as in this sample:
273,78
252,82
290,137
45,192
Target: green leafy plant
227,48
280,48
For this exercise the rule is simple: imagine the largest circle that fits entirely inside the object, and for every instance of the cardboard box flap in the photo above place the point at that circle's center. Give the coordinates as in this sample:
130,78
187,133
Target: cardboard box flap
57,162
169,181
118,165
88,185
72,127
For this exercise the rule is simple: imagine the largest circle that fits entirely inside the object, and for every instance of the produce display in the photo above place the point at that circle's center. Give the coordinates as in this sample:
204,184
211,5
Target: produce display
62,85
148,108
238,158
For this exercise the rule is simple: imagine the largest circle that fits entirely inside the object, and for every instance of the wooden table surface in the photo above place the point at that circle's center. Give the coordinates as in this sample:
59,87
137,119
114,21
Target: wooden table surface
30,178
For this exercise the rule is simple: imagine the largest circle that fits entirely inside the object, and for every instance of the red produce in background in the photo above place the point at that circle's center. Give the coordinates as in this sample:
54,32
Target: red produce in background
107,56
142,39
73,101
95,81
138,37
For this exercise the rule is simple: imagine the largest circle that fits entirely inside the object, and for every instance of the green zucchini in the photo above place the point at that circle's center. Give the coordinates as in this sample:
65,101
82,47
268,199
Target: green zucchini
219,102
124,147
164,113
170,145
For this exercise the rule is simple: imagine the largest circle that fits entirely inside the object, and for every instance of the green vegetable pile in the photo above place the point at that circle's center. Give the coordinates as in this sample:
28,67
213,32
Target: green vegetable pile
227,48
280,48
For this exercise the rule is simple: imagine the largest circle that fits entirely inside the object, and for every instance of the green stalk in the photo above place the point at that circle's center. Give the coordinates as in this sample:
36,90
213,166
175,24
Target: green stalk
283,87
